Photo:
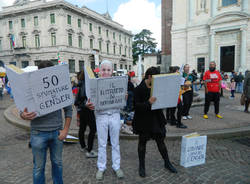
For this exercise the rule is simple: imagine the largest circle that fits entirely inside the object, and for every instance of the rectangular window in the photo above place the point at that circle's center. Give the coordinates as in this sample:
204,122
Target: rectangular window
120,50
52,18
23,23
0,44
200,64
36,21
53,39
107,33
69,19
91,43
120,37
80,42
114,35
70,39
10,25
37,41
71,66
229,2
24,41
81,65
90,27
13,63
100,46
25,64
115,67
114,49
99,30
125,39
129,41
79,23
125,51
126,67
121,66
129,67
107,48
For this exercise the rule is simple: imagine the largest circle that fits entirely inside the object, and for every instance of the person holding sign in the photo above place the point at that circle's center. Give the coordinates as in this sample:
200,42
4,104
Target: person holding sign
107,120
149,124
47,133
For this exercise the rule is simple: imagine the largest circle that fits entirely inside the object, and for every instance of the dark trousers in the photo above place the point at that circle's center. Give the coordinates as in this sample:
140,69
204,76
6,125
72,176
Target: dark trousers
187,102
212,96
170,114
142,147
84,122
232,93
179,112
247,104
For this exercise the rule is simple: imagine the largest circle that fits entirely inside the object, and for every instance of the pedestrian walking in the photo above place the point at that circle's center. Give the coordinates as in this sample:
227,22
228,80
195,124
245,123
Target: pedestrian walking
149,124
187,93
212,79
239,86
47,132
85,117
1,88
246,90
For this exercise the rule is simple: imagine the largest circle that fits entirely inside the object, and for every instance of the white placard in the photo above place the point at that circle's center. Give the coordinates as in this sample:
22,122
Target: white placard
166,89
42,91
193,151
106,93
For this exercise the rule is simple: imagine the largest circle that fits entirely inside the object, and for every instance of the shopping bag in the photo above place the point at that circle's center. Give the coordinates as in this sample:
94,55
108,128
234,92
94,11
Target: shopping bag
193,150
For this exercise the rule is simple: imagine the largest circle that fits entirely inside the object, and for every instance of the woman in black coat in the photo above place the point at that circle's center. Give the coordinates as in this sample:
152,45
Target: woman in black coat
85,117
149,124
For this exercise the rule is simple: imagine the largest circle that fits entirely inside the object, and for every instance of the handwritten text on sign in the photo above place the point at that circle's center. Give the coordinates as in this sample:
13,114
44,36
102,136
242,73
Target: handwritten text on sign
111,93
53,89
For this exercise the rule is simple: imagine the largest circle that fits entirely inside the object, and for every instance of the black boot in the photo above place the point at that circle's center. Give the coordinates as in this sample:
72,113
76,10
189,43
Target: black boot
142,169
169,166
141,154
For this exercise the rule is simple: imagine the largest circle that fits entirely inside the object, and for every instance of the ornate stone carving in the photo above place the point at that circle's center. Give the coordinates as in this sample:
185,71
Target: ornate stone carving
70,31
36,31
52,29
201,6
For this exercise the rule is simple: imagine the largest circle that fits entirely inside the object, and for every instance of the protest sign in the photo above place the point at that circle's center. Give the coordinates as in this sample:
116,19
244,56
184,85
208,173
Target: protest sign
106,93
42,91
193,150
165,87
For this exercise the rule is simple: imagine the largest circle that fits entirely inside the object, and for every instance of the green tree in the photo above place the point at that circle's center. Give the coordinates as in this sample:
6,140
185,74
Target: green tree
143,43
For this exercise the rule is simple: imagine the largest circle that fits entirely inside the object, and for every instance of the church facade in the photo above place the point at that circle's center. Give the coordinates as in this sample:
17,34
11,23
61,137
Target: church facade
211,30
35,31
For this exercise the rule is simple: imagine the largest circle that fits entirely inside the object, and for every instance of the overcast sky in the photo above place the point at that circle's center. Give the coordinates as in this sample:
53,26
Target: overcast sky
134,15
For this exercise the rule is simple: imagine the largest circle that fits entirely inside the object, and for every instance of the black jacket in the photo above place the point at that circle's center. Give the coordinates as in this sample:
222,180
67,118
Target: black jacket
146,121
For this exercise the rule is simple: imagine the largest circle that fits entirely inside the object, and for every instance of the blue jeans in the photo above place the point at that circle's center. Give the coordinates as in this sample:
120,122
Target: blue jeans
40,142
239,87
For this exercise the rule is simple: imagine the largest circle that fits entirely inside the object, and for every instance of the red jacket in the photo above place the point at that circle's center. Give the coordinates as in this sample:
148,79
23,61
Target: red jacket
213,80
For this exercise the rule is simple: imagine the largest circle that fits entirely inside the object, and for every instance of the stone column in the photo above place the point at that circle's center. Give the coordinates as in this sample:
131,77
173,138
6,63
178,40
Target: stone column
243,49
211,48
190,10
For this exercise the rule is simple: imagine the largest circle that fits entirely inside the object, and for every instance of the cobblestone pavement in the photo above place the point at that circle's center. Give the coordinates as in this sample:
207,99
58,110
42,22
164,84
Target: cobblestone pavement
228,161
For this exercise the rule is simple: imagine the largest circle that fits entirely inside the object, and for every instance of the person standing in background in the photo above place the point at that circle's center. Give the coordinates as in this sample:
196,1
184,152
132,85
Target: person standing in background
246,90
187,92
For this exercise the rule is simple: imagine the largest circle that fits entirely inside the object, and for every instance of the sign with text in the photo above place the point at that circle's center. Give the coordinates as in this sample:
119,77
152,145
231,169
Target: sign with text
193,150
165,87
106,93
42,91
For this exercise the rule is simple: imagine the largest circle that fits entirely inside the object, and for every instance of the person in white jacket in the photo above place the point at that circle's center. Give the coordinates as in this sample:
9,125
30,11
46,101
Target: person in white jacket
107,120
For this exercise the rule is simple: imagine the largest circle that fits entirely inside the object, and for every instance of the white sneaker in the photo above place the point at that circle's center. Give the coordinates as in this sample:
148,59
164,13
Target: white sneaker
184,118
99,175
189,117
126,129
91,154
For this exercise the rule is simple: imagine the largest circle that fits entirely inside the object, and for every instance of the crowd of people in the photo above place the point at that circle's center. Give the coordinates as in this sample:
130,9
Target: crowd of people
48,132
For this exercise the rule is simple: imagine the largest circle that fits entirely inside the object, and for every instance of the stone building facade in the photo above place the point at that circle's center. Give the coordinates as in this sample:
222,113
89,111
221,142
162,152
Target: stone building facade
211,30
59,30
